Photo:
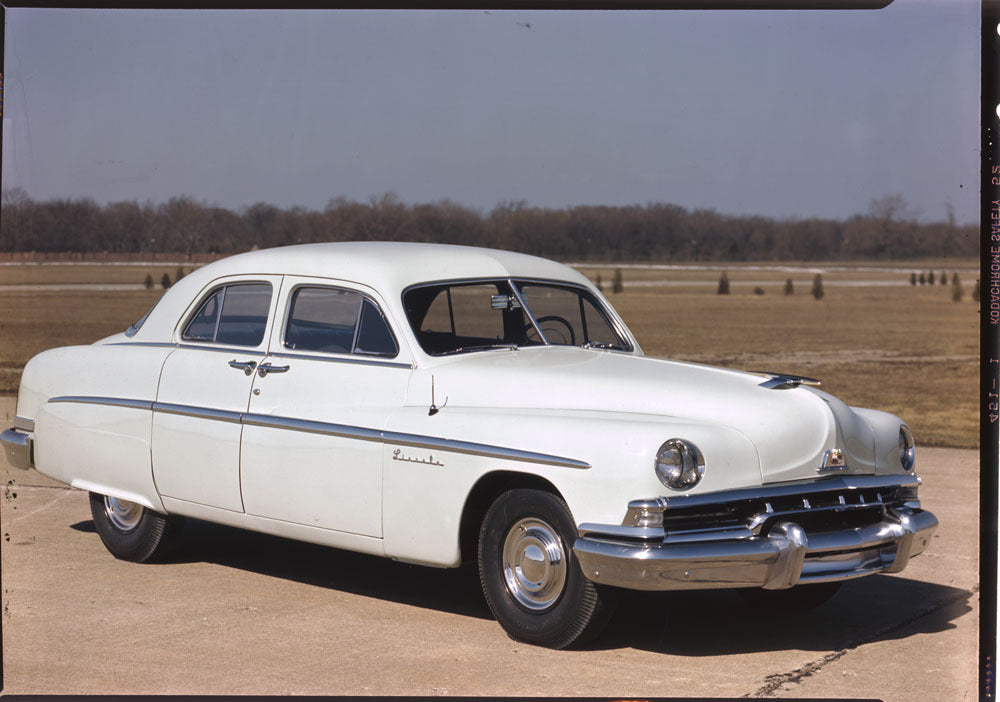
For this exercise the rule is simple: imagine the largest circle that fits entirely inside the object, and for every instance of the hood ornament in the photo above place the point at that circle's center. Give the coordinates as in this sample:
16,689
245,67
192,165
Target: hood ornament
783,381
833,461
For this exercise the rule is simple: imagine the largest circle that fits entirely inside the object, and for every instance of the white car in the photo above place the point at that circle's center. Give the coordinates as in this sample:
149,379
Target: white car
438,404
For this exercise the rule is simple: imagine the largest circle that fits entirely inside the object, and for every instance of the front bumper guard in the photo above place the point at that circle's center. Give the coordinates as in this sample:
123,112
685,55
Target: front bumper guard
631,557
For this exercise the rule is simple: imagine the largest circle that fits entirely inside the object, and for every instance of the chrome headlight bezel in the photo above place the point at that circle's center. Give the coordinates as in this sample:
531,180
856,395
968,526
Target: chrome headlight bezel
679,464
907,448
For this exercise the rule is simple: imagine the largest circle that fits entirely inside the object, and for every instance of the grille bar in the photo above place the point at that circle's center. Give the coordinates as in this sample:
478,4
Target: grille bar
836,506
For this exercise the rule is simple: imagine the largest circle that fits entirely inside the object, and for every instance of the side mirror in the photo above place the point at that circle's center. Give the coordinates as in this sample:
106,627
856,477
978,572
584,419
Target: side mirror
504,302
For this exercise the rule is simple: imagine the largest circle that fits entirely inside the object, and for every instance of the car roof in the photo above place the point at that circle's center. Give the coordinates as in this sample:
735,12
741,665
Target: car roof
387,267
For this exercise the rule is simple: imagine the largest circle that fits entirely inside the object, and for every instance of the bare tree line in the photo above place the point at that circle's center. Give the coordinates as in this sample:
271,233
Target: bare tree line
651,232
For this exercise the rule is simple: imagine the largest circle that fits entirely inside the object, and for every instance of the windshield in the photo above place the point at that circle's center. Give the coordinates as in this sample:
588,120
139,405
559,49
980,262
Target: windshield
451,318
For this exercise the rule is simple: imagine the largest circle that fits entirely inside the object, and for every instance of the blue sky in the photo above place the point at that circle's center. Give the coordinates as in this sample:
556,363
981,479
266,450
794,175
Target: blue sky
789,114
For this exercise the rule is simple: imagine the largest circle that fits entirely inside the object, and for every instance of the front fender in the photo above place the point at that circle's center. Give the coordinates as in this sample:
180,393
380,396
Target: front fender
610,462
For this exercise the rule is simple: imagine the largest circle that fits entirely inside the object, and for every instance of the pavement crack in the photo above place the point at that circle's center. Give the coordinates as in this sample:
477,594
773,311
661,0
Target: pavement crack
772,683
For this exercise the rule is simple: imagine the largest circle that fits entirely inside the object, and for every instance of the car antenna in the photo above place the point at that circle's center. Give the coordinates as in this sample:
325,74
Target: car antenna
434,409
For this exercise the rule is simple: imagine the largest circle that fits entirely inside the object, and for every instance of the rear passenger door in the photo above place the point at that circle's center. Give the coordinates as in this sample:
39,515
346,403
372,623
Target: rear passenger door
312,445
204,389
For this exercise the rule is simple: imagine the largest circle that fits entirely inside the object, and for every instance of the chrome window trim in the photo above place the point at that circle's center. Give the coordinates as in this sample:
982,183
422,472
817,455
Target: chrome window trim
202,343
286,318
367,361
340,430
242,350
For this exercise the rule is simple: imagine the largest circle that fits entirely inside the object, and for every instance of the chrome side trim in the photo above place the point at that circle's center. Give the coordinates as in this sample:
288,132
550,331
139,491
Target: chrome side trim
341,430
112,401
151,344
200,412
24,424
338,359
487,450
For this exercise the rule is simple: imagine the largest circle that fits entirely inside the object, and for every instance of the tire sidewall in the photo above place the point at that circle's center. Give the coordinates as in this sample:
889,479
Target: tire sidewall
137,544
561,623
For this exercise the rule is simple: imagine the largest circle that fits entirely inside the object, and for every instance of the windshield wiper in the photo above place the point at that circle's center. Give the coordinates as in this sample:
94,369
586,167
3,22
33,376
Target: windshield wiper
601,345
482,347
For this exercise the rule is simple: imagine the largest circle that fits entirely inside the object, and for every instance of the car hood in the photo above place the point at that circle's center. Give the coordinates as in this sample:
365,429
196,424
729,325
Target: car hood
791,428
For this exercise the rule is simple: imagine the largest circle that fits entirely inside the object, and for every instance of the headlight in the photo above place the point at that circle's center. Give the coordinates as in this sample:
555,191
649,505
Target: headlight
679,464
907,451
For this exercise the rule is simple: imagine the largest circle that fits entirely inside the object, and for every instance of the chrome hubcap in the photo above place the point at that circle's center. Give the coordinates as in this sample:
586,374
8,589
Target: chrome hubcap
124,515
534,564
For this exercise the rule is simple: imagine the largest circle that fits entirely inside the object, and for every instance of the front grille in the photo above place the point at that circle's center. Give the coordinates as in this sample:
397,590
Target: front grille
814,510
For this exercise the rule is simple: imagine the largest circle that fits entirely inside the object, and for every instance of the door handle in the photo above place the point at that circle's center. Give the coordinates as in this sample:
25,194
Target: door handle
246,366
266,368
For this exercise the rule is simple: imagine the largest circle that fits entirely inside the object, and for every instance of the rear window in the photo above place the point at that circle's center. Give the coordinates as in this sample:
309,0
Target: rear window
234,315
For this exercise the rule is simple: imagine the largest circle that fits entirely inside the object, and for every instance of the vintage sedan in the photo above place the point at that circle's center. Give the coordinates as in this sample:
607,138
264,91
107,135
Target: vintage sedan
441,404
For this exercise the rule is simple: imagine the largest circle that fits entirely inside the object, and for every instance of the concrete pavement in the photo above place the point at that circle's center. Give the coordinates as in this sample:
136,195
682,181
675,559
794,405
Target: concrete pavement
237,612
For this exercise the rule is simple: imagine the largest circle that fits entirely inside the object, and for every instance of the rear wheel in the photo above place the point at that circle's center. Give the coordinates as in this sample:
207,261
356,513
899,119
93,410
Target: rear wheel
130,531
800,598
530,575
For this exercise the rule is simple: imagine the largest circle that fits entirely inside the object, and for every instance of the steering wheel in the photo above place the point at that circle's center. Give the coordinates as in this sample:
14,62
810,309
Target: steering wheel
560,320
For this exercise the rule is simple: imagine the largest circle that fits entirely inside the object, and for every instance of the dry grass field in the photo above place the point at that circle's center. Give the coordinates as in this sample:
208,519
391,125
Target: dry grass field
873,340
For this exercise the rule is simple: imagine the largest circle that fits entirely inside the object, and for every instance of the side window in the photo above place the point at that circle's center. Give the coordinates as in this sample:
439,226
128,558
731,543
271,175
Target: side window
337,321
322,319
235,315
204,324
374,337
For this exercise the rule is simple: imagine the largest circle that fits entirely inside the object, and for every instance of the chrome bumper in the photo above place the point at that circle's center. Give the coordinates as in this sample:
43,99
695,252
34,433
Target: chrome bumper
18,448
650,558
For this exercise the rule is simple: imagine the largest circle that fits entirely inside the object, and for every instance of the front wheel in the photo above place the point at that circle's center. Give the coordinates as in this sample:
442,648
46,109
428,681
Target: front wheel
130,531
530,575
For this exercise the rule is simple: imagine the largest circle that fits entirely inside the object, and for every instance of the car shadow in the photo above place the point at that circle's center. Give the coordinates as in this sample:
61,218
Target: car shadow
454,590
682,623
714,622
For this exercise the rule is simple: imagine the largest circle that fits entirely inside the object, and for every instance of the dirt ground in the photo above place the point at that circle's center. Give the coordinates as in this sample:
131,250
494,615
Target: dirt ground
244,613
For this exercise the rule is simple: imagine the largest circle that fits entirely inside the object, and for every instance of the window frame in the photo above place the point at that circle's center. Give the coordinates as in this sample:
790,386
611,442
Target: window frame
193,311
286,319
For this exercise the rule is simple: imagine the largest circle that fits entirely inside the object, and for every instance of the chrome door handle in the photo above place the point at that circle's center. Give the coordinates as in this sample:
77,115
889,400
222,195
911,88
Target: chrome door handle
266,368
245,366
